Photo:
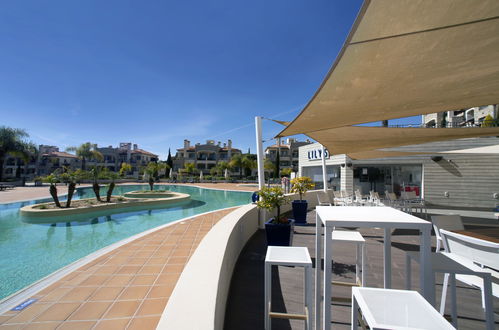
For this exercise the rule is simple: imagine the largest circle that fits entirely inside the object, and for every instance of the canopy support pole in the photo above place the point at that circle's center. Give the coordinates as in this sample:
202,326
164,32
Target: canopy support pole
324,170
259,158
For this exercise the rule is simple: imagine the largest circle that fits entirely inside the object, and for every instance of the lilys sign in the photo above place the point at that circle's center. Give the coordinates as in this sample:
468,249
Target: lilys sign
316,154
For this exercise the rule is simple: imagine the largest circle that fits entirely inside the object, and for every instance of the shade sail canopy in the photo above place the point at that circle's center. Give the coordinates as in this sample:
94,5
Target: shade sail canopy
409,57
355,139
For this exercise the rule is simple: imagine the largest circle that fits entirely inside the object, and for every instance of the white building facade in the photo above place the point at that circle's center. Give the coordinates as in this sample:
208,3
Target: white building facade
451,180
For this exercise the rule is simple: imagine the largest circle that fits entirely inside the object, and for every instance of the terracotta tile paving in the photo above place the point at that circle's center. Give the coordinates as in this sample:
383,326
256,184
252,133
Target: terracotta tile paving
127,288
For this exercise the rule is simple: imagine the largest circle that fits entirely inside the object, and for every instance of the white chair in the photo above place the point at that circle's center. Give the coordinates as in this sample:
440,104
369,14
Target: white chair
392,200
359,199
447,222
351,236
337,198
288,256
346,197
480,256
412,201
323,199
395,309
374,198
442,263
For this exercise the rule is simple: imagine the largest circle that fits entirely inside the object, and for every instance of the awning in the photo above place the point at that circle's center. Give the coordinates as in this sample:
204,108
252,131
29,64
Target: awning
491,150
405,58
355,139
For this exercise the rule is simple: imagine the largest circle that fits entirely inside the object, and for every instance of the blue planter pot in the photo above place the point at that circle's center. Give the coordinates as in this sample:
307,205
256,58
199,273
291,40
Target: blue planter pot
300,212
279,234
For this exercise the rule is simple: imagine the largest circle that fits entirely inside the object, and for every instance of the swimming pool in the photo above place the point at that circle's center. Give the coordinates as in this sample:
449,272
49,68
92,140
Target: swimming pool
30,252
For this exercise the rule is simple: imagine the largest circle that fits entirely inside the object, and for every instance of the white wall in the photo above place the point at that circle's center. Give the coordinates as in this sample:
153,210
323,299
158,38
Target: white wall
199,298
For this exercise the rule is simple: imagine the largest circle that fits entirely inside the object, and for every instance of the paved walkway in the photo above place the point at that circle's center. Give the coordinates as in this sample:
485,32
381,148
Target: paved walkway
126,288
26,193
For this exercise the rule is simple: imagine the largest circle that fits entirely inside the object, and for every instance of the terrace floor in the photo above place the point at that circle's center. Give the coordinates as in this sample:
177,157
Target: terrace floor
245,306
126,288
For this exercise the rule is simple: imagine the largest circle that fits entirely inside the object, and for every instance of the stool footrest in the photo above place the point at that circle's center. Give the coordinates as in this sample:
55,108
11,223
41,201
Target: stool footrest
341,299
344,283
288,316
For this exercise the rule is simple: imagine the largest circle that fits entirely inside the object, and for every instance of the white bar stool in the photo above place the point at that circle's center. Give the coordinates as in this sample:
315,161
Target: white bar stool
395,309
288,256
360,262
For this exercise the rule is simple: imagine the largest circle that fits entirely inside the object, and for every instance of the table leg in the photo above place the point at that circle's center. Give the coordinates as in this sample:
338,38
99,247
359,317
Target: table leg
427,282
318,279
354,313
408,268
364,264
268,294
453,298
328,253
489,307
388,259
308,297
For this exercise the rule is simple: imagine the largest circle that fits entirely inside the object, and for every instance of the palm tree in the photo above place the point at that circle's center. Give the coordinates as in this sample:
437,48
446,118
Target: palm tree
27,154
71,177
96,172
152,170
86,151
12,142
269,166
53,179
124,169
248,164
113,176
242,162
189,168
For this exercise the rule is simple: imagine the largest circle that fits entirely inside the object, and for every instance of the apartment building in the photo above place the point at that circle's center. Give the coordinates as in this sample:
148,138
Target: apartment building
288,153
461,118
125,153
205,156
50,158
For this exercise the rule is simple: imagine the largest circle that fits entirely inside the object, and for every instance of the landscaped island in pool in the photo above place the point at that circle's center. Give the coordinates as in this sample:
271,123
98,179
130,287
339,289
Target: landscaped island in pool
33,251
49,212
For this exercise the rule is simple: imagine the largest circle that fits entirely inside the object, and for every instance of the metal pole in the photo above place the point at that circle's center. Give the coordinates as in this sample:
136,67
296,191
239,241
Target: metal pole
324,170
259,158
259,152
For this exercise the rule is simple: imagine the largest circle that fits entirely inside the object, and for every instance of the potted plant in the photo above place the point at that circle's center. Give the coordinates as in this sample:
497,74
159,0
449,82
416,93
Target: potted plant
279,230
300,186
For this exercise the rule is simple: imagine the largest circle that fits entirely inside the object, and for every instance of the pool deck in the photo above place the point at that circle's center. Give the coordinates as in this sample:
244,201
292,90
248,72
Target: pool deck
19,194
125,288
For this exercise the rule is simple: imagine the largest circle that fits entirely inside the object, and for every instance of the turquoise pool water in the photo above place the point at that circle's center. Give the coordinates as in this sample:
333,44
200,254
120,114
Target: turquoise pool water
31,251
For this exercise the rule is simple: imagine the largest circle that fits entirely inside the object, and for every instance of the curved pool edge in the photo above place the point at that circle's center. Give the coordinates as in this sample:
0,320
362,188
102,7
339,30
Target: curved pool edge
23,294
201,187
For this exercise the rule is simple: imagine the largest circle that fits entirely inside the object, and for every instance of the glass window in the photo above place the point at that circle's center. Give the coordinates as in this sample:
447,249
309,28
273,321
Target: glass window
391,178
315,173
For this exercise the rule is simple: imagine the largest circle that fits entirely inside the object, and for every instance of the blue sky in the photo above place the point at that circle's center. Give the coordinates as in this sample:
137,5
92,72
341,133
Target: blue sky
156,72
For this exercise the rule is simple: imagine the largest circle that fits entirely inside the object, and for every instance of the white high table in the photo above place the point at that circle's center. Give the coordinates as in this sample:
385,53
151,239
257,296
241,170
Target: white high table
365,217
